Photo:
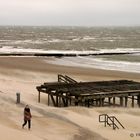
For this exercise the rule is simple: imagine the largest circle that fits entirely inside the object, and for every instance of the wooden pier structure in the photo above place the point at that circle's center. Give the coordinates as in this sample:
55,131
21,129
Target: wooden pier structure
68,92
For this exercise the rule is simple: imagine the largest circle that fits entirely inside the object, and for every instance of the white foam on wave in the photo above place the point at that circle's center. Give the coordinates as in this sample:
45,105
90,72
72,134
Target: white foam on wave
28,41
91,62
18,42
55,40
121,50
88,61
85,38
12,49
101,51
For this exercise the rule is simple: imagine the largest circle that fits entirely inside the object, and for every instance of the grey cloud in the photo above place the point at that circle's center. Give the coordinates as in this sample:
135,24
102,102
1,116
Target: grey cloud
70,12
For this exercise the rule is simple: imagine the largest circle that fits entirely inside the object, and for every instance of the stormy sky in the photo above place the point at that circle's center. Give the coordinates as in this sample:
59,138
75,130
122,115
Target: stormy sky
70,12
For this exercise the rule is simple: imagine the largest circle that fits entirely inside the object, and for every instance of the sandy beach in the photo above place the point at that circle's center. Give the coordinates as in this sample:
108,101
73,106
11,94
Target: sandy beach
23,74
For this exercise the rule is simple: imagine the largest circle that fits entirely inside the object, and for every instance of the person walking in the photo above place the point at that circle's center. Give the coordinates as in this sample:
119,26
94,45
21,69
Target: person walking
27,117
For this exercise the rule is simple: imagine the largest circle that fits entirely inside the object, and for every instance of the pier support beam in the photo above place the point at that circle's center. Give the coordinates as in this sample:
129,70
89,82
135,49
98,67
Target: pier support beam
67,101
39,96
57,101
70,101
76,102
109,100
103,101
97,100
100,102
48,99
132,101
64,102
114,101
53,100
121,101
88,103
126,100
138,100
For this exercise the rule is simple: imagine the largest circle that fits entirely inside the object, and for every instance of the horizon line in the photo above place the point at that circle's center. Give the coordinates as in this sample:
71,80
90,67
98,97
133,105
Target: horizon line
18,25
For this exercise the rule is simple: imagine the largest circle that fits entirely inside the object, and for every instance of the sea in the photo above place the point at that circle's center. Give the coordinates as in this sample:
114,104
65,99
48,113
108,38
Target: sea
120,45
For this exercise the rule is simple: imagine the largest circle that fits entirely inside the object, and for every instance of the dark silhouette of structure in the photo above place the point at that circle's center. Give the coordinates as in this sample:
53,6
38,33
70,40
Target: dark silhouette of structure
111,121
68,92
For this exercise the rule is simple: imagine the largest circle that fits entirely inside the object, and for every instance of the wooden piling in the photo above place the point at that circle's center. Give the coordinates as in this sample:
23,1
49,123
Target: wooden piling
48,100
96,102
88,103
57,103
70,101
53,100
132,101
100,101
67,101
64,102
114,101
138,100
109,100
126,100
103,101
76,102
39,96
121,101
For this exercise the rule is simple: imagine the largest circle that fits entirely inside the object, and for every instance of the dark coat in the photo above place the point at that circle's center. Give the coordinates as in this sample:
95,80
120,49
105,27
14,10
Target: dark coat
27,114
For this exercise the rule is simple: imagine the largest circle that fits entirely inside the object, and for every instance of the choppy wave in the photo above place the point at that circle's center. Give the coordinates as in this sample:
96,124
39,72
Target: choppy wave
12,49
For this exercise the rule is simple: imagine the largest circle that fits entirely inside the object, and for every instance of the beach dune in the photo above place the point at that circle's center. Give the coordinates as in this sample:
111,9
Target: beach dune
23,74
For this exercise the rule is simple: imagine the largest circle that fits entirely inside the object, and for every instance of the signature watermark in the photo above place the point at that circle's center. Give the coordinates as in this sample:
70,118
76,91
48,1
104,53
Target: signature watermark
134,135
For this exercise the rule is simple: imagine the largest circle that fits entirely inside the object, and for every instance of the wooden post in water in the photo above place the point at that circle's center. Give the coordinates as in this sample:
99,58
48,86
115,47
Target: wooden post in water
132,101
